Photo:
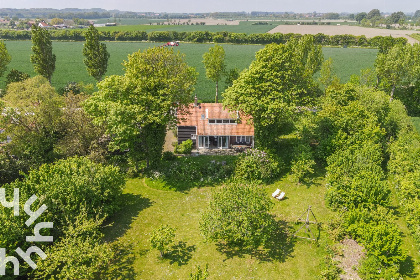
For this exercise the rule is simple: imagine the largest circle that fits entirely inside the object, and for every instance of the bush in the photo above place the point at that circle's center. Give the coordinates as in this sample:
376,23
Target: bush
238,216
168,156
256,165
162,238
184,148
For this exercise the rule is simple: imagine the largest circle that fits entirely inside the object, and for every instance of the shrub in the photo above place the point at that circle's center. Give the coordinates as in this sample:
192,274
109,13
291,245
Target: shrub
162,238
256,165
238,217
168,156
184,148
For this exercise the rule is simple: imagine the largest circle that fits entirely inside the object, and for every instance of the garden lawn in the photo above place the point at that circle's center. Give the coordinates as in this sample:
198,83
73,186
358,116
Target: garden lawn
70,66
147,208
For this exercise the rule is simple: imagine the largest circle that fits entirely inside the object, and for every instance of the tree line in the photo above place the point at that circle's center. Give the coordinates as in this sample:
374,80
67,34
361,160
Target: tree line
206,37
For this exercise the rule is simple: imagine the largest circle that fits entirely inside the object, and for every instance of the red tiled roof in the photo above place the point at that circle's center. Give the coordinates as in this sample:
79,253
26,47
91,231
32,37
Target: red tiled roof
197,116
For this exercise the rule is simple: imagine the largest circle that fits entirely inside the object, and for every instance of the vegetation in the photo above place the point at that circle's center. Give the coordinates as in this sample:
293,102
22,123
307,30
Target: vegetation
5,58
184,148
42,58
137,107
214,62
162,239
96,55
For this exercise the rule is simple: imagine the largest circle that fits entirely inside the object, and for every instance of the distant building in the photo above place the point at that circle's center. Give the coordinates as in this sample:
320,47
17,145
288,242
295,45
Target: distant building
43,24
212,127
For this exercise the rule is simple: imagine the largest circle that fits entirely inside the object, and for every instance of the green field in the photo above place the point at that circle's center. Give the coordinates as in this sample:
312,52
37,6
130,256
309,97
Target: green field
70,67
243,27
416,122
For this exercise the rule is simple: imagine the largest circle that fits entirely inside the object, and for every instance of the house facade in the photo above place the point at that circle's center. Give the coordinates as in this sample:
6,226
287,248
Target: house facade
210,126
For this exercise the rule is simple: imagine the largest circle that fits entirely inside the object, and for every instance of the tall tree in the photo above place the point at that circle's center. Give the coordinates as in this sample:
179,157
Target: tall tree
374,13
138,106
42,57
214,62
360,17
277,81
5,58
96,55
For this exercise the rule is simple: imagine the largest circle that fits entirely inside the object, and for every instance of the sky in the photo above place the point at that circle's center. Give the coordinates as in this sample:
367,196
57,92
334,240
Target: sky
200,6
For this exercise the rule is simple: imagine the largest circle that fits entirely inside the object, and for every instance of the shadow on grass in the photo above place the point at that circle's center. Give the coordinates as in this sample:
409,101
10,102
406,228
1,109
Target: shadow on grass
180,253
121,266
407,268
117,225
279,246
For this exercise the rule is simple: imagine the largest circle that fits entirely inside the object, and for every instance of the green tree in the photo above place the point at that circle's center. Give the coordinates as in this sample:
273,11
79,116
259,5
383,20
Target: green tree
360,17
31,117
231,76
277,81
214,62
162,239
16,76
96,55
200,274
42,58
238,216
5,58
57,21
374,13
138,106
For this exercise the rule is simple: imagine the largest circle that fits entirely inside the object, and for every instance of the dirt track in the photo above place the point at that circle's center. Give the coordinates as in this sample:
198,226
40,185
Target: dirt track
343,29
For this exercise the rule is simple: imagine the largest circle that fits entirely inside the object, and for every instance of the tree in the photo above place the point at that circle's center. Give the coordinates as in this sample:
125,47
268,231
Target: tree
57,21
374,13
42,57
138,106
162,238
16,76
31,116
417,14
360,17
5,58
214,62
96,55
238,217
397,17
231,76
277,81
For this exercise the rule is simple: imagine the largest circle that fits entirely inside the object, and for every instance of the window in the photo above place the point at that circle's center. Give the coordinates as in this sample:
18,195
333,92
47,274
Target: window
243,139
222,121
203,141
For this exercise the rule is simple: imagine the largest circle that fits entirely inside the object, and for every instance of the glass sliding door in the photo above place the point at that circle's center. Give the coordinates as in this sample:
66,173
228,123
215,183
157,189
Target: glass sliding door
223,142
203,142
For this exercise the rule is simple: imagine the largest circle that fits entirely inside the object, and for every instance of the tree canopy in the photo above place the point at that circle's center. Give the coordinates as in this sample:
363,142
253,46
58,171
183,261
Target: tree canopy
96,55
277,81
138,106
214,62
42,58
5,58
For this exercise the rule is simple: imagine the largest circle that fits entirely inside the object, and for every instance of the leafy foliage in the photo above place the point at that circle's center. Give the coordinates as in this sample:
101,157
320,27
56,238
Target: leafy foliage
137,107
278,80
185,147
16,76
31,116
238,217
200,274
214,62
162,238
96,55
303,163
42,58
256,165
5,57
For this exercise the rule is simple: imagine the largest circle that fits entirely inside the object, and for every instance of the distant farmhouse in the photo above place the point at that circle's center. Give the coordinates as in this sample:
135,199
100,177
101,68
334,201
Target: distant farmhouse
212,127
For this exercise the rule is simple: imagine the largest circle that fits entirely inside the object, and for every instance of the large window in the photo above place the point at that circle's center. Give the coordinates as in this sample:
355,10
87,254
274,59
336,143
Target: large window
203,141
243,139
222,121
223,142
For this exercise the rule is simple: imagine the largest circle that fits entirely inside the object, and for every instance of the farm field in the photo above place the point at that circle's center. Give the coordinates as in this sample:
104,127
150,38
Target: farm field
240,27
70,67
339,30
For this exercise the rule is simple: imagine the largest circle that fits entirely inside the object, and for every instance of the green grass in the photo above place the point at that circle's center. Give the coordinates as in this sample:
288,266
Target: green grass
70,67
128,21
416,36
147,208
243,27
416,122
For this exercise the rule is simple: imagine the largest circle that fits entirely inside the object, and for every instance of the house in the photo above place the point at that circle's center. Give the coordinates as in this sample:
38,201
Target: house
43,24
211,127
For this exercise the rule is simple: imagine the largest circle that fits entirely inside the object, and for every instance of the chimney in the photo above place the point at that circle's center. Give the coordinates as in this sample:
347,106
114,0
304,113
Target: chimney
195,101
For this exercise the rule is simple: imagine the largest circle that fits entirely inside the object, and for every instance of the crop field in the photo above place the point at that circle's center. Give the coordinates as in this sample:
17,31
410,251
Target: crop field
243,27
70,67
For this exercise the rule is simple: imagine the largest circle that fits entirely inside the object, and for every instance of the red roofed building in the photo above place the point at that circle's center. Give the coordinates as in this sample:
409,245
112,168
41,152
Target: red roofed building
210,126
